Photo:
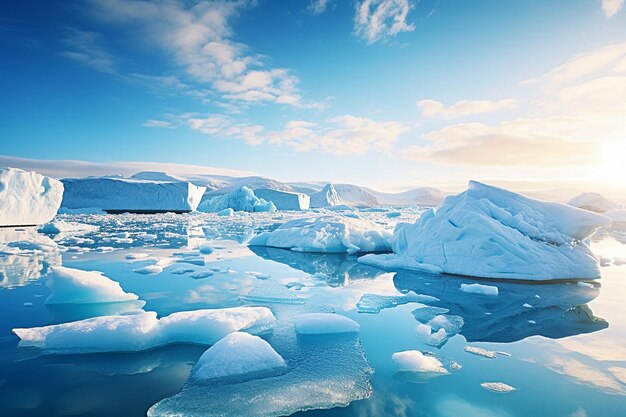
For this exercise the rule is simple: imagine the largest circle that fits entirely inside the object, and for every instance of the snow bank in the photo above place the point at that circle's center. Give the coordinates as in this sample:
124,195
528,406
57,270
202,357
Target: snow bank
284,200
327,234
593,202
325,323
235,355
493,233
416,361
27,198
74,286
114,194
241,199
325,198
479,289
135,332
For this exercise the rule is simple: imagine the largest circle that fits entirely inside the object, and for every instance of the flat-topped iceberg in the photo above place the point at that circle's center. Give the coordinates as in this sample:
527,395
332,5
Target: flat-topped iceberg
284,200
117,195
490,232
327,234
593,202
143,330
241,199
74,286
27,198
325,198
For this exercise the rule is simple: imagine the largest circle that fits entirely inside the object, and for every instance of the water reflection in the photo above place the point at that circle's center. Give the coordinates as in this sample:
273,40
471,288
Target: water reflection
335,268
519,310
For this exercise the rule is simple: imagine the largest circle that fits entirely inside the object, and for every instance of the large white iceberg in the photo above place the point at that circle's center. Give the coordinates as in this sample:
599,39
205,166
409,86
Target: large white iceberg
241,199
74,286
117,195
284,200
327,234
143,330
494,233
325,198
593,202
27,198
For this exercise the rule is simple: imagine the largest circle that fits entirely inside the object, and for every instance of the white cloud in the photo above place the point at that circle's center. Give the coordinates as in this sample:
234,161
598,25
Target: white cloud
611,7
85,47
318,6
199,38
158,123
377,20
432,108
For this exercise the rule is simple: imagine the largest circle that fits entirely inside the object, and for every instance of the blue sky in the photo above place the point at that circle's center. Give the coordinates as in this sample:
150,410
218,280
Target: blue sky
385,93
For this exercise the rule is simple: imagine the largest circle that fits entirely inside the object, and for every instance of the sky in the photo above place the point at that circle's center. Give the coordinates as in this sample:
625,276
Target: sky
390,94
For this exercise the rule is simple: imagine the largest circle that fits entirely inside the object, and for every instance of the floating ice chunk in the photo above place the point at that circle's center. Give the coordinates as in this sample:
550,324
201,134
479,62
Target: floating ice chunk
74,286
374,303
149,270
416,361
325,198
181,271
284,200
479,289
205,249
593,202
27,198
237,354
202,274
326,234
451,324
478,351
56,227
493,233
135,332
113,194
325,323
497,387
425,314
137,256
272,292
241,199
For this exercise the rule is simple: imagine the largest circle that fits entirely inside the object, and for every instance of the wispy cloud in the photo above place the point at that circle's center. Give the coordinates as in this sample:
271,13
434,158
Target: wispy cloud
318,6
611,7
86,48
433,108
378,20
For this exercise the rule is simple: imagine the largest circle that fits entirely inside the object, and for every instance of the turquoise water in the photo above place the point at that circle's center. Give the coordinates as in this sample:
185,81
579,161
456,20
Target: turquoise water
562,346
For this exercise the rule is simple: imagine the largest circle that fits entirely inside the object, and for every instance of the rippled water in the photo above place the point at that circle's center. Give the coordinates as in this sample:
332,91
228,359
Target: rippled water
562,346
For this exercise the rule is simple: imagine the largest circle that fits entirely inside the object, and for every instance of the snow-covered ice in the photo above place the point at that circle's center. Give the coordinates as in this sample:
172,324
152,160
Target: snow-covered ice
325,198
114,194
416,361
325,323
497,387
28,198
284,200
593,202
237,354
479,289
143,330
478,351
241,199
327,233
75,286
489,232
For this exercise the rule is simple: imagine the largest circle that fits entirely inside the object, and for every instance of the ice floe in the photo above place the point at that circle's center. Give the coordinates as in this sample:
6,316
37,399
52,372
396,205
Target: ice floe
326,234
75,286
284,200
143,330
494,233
416,361
27,198
325,323
479,289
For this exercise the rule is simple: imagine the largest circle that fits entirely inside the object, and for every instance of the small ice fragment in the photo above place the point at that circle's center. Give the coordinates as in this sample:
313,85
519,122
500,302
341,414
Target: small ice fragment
584,284
181,271
474,350
526,305
532,322
455,366
28,304
202,274
295,285
137,256
479,289
374,303
325,323
416,361
497,387
149,270
206,249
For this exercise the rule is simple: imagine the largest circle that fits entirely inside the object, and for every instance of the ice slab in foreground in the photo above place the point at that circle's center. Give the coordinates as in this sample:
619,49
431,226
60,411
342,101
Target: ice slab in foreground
325,198
327,234
593,202
74,286
490,232
141,331
27,198
114,194
241,199
284,200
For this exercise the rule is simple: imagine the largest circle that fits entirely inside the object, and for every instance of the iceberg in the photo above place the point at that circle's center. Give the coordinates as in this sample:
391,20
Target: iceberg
143,330
489,232
416,361
74,286
237,354
325,198
325,323
284,200
479,289
27,198
327,234
119,195
593,202
241,199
